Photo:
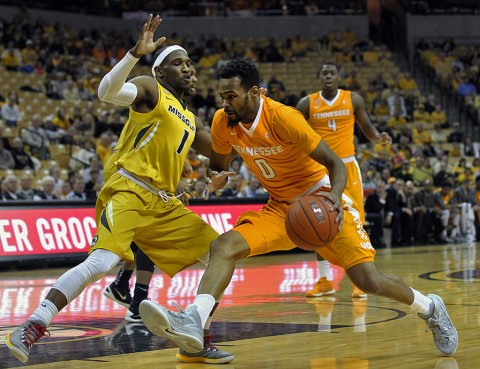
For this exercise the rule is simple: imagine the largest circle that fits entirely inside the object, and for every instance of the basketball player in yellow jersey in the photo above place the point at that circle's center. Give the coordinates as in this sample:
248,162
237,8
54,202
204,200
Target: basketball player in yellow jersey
332,113
290,160
119,289
137,203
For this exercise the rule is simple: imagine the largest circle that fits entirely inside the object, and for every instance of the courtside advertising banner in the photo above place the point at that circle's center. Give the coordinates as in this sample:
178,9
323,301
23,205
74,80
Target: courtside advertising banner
51,231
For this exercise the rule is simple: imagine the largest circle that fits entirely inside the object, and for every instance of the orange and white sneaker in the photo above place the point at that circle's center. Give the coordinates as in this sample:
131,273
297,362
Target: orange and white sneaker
323,287
358,293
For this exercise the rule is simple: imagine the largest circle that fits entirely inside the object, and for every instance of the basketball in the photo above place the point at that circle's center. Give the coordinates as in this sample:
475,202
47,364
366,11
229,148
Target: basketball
309,222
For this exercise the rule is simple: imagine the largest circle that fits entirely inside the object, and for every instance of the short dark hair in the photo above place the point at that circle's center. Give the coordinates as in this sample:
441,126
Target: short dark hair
328,62
243,69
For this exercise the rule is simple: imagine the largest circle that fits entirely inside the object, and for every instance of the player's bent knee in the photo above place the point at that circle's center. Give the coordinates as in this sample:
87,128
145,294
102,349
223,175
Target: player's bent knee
228,248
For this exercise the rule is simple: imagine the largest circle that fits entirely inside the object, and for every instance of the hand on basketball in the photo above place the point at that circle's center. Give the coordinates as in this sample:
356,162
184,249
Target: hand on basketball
337,206
385,138
145,44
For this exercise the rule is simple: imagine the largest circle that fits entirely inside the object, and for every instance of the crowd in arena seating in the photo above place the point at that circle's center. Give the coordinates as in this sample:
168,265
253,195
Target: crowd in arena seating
55,134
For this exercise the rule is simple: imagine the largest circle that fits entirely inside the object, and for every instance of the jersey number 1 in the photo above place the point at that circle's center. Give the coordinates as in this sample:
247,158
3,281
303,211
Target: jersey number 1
182,143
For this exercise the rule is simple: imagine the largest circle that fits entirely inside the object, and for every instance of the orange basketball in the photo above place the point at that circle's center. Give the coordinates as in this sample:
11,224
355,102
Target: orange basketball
309,222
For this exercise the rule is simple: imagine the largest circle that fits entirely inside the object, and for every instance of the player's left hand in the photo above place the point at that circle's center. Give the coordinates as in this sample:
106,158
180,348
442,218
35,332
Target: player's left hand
337,206
385,138
217,181
182,192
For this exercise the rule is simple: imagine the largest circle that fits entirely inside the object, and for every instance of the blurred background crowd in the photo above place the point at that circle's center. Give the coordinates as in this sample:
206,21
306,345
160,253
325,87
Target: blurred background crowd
55,135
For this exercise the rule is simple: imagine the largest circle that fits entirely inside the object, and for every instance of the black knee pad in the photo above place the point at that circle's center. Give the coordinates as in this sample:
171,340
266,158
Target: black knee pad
144,262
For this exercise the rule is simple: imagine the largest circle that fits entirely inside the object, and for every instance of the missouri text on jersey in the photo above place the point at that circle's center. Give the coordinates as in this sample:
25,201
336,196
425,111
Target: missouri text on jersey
332,114
258,151
175,111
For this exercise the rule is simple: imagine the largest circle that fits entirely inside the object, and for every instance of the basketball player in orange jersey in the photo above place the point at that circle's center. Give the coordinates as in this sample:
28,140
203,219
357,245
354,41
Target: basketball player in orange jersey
137,203
291,160
332,113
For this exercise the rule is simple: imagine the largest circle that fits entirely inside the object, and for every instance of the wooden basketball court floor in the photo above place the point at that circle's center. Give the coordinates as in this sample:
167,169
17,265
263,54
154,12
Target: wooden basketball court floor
264,320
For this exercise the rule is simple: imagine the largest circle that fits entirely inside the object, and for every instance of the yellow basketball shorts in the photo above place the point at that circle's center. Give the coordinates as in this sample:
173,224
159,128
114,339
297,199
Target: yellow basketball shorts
265,231
172,236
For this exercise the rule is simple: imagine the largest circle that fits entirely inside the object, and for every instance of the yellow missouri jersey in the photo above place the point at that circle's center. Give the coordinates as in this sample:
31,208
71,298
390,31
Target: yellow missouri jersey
154,145
334,120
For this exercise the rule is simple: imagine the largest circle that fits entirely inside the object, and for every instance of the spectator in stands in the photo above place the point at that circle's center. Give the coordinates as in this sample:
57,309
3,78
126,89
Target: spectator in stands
95,164
475,195
438,136
407,83
254,189
104,148
21,158
404,172
462,200
467,88
6,158
466,175
78,189
396,104
56,173
406,205
445,209
11,57
29,57
10,111
94,185
424,218
26,190
439,116
393,216
469,148
10,184
376,208
431,103
397,121
421,171
54,133
420,136
81,158
65,190
457,134
36,137
61,119
381,110
233,187
420,115
48,190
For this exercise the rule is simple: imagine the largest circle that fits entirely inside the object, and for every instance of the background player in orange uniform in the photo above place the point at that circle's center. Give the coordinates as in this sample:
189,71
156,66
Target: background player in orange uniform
332,113
291,160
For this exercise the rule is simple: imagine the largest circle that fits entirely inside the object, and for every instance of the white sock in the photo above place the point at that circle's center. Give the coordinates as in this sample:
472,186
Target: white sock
325,323
359,324
46,312
204,304
421,303
325,269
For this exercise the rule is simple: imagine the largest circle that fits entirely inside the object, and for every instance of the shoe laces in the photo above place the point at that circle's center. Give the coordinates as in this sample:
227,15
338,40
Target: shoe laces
180,310
440,327
32,332
207,343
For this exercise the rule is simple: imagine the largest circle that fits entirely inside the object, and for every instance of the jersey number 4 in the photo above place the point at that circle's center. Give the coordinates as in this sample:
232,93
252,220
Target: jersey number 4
332,124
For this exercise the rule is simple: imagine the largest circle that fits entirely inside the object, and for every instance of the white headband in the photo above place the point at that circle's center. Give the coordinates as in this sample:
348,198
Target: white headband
163,55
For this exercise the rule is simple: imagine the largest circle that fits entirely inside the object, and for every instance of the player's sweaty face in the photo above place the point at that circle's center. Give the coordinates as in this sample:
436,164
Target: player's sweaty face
328,77
177,71
235,100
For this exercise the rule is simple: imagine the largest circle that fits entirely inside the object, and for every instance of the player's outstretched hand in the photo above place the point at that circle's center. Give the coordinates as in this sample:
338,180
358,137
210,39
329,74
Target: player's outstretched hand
217,181
145,44
385,138
337,206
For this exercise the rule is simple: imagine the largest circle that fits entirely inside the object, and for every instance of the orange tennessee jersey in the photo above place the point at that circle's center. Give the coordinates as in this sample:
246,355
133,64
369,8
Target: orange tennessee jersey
275,147
334,121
